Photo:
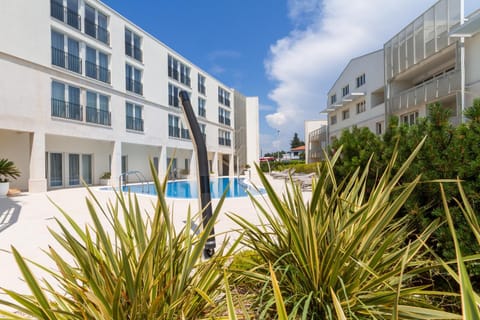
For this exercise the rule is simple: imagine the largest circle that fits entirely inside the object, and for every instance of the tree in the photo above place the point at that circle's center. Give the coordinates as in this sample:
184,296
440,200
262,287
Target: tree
296,142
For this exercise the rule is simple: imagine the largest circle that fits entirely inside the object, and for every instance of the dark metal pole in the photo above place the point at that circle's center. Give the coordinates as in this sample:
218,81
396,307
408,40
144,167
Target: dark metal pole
203,172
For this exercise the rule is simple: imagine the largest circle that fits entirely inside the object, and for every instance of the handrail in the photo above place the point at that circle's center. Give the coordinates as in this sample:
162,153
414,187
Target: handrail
140,177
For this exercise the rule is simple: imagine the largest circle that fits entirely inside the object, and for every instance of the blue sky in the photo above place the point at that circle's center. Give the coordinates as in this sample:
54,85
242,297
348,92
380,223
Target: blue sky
286,52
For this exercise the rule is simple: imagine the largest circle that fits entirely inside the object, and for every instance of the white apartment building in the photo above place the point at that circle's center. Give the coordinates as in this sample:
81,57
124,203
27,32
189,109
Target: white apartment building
85,91
357,96
428,62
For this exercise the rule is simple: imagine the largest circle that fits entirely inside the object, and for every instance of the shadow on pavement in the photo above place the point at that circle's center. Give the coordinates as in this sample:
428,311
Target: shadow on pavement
9,212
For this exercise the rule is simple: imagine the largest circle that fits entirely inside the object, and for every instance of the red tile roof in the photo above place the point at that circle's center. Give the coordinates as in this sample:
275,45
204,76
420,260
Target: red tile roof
301,148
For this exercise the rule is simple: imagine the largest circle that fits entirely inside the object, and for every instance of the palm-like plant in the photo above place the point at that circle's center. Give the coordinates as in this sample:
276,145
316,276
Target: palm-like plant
141,269
8,170
341,254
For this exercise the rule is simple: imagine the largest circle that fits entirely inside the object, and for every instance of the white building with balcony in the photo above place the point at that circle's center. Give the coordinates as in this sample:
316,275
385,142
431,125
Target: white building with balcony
85,91
357,96
428,61
316,140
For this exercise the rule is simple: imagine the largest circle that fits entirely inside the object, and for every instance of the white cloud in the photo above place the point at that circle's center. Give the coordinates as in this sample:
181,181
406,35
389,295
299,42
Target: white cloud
305,64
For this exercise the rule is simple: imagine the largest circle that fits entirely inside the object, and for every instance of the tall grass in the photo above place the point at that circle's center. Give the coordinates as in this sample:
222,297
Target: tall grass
142,269
341,254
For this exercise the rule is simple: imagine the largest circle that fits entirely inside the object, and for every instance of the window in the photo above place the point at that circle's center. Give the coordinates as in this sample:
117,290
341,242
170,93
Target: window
66,11
333,98
224,138
409,118
224,97
96,24
133,79
378,128
361,107
56,169
134,117
66,102
96,65
97,109
184,132
345,114
333,119
173,99
224,116
173,126
202,112
178,71
345,90
133,45
361,80
66,52
203,129
201,84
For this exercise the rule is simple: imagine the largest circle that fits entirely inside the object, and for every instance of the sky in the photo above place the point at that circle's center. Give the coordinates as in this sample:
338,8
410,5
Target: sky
287,52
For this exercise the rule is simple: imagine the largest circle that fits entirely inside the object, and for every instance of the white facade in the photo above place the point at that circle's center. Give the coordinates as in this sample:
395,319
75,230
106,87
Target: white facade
85,92
316,140
357,96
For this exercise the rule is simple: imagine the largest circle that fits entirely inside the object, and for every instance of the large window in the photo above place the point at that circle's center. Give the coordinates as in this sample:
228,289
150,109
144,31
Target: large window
201,84
410,118
55,169
66,102
224,138
133,79
96,24
96,65
134,117
179,71
361,107
223,96
361,80
173,126
333,98
133,44
224,116
345,90
97,109
202,111
173,99
66,11
345,114
66,52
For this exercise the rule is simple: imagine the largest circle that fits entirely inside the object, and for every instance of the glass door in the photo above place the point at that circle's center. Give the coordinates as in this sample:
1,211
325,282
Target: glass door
73,169
87,168
56,170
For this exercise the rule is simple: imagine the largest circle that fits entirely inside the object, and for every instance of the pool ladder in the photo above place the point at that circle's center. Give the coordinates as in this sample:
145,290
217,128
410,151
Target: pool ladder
122,179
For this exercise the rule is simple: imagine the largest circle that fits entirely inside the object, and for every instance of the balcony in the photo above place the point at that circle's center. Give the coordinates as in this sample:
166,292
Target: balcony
67,110
134,86
133,51
224,141
58,11
94,115
134,123
97,72
66,60
173,131
97,32
173,101
429,91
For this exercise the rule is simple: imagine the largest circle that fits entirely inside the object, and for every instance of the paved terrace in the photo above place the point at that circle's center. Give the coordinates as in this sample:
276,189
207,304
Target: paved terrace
25,219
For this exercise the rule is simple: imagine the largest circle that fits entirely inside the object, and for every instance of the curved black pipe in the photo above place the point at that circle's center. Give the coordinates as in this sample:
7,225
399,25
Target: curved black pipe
203,172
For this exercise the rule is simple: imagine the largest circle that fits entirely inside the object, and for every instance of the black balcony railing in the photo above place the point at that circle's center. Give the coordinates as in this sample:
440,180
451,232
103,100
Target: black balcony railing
62,13
134,86
96,31
133,51
93,115
185,134
227,102
67,110
185,79
227,121
224,120
173,101
66,60
134,123
93,70
173,131
201,89
202,112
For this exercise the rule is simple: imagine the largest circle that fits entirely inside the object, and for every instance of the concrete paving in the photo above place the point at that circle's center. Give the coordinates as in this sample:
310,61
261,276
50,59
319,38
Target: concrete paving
25,219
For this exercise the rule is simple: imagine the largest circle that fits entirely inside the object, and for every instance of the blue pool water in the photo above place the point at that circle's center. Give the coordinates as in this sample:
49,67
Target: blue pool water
188,188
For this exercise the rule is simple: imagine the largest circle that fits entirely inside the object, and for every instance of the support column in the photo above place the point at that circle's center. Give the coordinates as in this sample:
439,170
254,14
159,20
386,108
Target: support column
215,164
193,166
37,181
162,163
231,167
116,163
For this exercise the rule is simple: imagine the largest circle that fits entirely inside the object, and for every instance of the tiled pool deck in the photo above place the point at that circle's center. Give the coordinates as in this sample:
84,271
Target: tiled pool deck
25,219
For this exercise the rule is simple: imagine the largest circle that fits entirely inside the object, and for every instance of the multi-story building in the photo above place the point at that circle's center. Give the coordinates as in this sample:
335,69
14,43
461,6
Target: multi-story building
85,91
357,96
424,64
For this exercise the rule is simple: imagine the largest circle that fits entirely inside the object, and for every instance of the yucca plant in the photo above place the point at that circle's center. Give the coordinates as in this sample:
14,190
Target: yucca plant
136,266
341,254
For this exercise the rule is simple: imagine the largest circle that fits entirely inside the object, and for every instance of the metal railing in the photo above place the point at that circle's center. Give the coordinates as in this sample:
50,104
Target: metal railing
96,31
66,60
123,179
134,86
94,115
134,123
67,110
95,71
62,13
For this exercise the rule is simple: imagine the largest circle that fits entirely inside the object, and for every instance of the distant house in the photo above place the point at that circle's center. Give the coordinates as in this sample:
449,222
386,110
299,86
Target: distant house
294,154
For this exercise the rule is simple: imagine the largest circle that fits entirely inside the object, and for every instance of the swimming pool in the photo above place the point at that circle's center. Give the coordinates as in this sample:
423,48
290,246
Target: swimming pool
187,189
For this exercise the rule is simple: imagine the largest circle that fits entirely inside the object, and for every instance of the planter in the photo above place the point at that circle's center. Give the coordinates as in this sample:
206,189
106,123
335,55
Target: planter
4,187
104,182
